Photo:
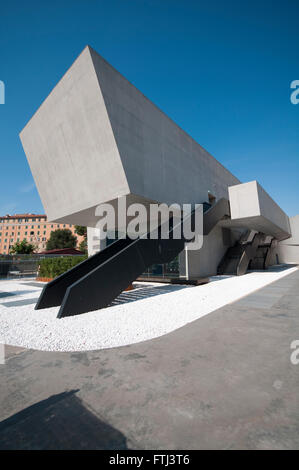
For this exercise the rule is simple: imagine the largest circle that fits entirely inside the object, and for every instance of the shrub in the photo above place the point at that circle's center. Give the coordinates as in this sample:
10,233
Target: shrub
22,248
53,267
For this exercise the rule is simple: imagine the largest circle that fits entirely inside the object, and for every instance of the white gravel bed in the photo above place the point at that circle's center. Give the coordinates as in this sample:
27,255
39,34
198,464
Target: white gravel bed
123,323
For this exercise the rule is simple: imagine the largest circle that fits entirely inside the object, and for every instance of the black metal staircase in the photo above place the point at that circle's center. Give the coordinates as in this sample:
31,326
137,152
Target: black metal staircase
97,281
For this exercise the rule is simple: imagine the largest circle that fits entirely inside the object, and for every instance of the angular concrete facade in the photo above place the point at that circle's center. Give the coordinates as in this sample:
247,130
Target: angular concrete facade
96,138
71,147
253,208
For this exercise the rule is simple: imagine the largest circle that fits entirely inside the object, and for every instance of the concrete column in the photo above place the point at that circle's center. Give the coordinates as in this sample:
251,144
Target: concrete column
94,242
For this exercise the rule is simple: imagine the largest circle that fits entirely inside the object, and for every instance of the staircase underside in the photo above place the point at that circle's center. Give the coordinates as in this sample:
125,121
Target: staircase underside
252,251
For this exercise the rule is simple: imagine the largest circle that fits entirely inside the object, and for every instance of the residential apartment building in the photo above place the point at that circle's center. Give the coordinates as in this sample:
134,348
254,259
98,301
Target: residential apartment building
33,227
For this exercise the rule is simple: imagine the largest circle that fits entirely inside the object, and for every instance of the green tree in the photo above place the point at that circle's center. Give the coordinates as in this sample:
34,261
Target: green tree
61,238
22,248
82,231
83,246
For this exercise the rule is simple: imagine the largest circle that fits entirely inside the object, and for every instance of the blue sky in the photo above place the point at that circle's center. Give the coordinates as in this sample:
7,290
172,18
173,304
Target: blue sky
221,70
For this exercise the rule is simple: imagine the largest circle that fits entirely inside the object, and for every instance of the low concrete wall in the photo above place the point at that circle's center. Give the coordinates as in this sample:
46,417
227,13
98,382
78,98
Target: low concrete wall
288,254
294,225
288,250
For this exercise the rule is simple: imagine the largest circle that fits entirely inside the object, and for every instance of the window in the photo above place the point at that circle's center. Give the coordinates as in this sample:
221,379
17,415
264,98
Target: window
20,220
45,226
38,232
32,232
33,220
64,225
32,226
12,234
44,232
19,233
38,226
25,233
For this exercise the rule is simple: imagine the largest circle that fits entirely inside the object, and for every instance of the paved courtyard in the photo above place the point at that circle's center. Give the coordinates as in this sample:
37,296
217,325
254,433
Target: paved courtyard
224,381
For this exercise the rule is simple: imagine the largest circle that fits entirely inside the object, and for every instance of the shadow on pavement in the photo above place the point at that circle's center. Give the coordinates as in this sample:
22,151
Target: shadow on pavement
140,293
59,422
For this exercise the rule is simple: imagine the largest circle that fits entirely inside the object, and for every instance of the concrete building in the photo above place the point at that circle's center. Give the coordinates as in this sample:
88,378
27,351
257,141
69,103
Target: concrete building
33,227
97,138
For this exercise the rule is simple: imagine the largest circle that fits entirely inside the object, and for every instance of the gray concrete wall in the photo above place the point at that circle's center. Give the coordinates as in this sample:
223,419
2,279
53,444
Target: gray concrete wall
288,254
288,250
204,262
294,225
161,161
